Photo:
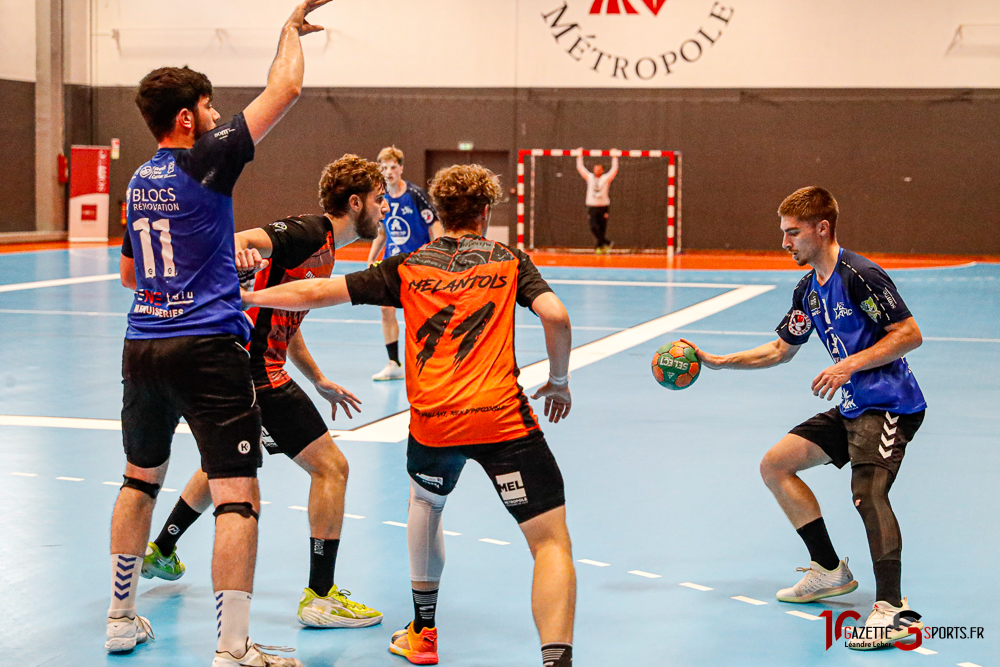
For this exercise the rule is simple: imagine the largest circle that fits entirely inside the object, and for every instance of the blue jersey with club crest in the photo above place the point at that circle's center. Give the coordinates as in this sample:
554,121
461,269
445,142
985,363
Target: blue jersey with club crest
180,232
850,313
408,222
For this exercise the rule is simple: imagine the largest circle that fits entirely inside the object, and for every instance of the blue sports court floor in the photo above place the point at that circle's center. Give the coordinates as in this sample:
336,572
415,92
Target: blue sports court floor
663,489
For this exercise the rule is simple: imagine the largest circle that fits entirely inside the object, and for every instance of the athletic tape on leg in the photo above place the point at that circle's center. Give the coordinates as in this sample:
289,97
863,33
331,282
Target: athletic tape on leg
243,509
151,490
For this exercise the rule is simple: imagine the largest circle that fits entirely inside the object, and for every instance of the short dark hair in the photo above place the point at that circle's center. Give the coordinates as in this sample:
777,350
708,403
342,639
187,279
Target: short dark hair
811,205
461,191
164,92
350,175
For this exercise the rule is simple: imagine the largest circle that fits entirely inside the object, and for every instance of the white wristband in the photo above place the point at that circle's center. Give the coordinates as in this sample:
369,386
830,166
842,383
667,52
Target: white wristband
559,381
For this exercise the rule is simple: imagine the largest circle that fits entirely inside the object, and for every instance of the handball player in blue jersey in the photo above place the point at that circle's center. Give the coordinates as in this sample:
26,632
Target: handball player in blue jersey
185,349
410,223
859,316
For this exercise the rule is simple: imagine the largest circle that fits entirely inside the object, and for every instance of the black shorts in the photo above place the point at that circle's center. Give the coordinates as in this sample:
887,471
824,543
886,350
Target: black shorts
205,379
523,471
873,437
290,420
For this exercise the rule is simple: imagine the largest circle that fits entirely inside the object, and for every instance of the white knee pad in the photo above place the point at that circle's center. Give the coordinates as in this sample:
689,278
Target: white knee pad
425,534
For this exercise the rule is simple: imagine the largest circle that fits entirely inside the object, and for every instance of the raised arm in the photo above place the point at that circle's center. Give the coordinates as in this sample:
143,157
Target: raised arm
300,295
765,356
558,344
284,81
614,169
579,165
900,339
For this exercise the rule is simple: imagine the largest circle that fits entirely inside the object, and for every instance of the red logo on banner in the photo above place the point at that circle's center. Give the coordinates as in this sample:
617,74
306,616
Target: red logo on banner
624,6
88,212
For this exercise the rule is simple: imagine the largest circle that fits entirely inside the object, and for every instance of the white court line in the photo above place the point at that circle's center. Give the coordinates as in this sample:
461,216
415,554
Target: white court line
802,614
697,587
169,490
298,507
395,428
968,664
17,287
924,651
263,502
743,598
111,483
648,575
595,563
353,516
936,339
71,479
394,523
452,533
25,474
637,283
490,541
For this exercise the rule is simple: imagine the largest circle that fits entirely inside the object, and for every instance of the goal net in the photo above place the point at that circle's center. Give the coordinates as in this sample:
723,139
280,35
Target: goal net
645,211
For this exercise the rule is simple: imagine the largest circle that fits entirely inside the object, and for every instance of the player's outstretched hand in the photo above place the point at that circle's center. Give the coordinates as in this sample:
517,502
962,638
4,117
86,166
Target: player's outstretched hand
337,395
831,379
557,400
712,361
298,18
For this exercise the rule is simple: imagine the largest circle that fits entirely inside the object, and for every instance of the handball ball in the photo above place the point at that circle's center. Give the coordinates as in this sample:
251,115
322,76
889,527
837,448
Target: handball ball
675,365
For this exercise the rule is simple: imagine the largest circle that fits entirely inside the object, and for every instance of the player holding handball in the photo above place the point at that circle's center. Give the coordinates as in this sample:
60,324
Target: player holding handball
867,329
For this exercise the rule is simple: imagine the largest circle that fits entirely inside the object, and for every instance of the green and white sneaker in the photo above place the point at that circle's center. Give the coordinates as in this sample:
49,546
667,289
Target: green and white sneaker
819,583
335,611
155,564
885,625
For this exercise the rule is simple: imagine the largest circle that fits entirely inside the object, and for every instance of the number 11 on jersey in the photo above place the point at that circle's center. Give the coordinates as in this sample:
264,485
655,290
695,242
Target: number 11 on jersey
166,247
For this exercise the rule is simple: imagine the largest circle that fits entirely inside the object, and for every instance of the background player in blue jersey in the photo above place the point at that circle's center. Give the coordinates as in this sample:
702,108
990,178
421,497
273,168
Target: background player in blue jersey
410,223
859,316
184,349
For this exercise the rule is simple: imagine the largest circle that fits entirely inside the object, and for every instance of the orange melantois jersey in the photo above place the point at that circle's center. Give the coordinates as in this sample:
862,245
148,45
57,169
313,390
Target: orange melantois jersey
458,298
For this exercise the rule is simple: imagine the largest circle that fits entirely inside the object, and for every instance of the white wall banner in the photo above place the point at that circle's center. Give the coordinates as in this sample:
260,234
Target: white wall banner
566,43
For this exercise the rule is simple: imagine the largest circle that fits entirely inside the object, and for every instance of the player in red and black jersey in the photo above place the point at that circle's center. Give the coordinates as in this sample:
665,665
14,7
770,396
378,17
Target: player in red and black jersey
352,194
458,296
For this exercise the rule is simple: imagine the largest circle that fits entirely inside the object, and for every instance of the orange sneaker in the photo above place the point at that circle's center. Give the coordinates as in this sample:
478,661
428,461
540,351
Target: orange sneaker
420,648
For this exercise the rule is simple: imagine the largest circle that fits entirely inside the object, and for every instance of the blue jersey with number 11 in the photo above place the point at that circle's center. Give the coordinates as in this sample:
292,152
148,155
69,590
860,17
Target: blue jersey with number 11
180,232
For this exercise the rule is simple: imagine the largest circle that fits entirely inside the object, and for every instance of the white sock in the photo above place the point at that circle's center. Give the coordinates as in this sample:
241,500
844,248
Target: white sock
233,614
124,581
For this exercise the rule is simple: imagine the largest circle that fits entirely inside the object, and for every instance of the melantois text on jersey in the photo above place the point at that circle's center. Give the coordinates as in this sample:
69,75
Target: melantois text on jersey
180,218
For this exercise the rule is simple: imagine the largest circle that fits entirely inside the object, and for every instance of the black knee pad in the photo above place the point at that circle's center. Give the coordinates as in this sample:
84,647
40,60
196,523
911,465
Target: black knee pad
150,490
243,509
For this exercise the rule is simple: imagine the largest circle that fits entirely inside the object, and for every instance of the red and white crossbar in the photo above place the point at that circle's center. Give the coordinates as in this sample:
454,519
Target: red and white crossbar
672,176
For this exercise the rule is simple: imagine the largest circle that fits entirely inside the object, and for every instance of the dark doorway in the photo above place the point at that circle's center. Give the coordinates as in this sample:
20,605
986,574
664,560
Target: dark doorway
504,213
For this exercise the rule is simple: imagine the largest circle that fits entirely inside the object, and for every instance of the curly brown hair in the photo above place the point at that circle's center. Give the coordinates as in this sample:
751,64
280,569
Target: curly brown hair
811,205
461,191
350,175
391,153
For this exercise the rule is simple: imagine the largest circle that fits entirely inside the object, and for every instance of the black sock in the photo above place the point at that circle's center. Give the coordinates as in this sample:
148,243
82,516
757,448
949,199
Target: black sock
180,519
322,563
424,607
887,586
393,350
818,542
557,655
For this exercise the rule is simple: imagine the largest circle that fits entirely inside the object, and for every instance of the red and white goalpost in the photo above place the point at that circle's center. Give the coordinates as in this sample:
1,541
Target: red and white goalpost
526,162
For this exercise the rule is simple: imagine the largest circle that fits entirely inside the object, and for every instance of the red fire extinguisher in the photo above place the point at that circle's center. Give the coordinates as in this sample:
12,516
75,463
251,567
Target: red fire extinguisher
63,167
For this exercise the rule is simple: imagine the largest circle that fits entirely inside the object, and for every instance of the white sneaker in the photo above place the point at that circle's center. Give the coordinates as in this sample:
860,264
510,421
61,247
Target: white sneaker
885,625
255,657
819,583
125,633
392,371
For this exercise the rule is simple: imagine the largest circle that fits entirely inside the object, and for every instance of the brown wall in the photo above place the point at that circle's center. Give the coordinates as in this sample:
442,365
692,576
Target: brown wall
743,152
17,157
